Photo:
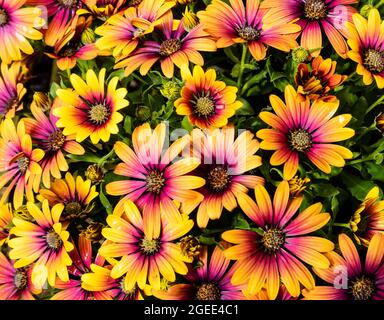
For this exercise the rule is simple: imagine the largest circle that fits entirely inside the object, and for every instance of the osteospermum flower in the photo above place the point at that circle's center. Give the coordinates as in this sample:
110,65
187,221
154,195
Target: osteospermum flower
17,25
15,284
91,110
211,280
279,250
12,90
75,195
299,128
176,47
51,139
283,294
156,181
236,23
317,82
18,163
102,8
368,219
122,32
348,277
143,256
365,38
316,17
6,217
207,102
224,160
44,241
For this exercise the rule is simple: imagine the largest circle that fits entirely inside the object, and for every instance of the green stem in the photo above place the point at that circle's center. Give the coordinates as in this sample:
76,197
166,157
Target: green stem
360,161
242,63
375,104
68,73
344,225
106,157
54,72
138,78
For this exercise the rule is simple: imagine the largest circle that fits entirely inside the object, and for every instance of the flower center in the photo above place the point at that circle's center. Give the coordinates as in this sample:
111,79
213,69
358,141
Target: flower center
273,239
363,288
72,209
190,246
248,33
53,240
204,106
150,246
218,179
155,181
169,47
99,113
21,279
315,9
3,17
374,61
69,52
138,33
23,163
130,294
208,291
68,3
134,3
56,140
300,140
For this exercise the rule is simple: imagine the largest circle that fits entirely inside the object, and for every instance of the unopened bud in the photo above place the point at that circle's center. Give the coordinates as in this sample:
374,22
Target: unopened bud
300,54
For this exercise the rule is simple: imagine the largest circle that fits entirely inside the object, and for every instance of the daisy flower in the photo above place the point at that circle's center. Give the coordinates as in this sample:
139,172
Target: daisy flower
51,139
224,161
17,25
209,281
6,216
368,219
122,32
18,163
156,178
44,241
12,90
176,47
143,256
283,294
236,23
314,18
316,82
348,277
102,8
299,128
15,284
365,38
91,109
75,195
278,251
206,101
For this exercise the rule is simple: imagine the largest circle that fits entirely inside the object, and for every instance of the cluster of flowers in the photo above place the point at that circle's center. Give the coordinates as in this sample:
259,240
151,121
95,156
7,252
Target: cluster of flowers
64,236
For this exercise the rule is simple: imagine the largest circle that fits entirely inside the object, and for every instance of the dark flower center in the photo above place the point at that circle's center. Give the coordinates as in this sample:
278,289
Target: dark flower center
218,179
150,246
68,3
248,33
208,291
21,279
72,209
300,140
12,103
99,113
315,9
204,106
23,163
374,61
53,240
56,140
69,52
169,47
363,288
155,181
273,239
190,246
134,3
3,17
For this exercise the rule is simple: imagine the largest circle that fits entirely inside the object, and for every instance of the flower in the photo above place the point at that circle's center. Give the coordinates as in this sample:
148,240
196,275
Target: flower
317,82
365,40
368,219
143,256
315,16
15,284
209,281
12,90
190,247
277,251
6,217
44,240
94,173
283,294
224,160
301,128
91,110
18,162
154,181
102,8
93,232
207,102
52,141
234,23
300,55
42,101
176,47
297,185
380,122
349,279
17,25
190,19
122,32
75,196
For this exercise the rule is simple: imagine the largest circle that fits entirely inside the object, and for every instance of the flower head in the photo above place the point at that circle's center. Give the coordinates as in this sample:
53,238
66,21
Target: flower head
102,9
6,217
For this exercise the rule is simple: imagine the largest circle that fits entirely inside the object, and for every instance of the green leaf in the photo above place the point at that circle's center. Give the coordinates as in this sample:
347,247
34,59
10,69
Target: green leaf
324,190
104,201
84,158
186,124
239,222
376,171
246,109
207,240
52,91
356,186
128,124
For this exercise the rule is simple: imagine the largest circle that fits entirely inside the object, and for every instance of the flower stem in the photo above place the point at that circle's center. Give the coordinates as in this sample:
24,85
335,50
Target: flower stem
344,225
242,63
106,157
375,104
